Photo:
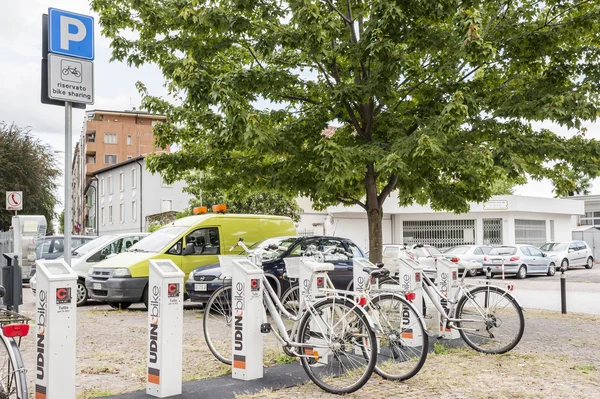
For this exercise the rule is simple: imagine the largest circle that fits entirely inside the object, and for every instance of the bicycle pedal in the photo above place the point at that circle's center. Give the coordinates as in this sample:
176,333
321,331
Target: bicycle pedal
265,328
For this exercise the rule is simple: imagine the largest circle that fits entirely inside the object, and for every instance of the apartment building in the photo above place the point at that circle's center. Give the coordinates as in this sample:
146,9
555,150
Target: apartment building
122,195
107,138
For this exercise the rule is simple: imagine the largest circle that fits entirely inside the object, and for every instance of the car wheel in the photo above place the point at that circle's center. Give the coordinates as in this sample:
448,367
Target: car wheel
551,269
590,263
119,305
82,293
145,296
472,273
564,264
522,273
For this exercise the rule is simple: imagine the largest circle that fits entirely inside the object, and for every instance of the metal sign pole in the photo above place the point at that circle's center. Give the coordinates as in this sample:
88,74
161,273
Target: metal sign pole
68,179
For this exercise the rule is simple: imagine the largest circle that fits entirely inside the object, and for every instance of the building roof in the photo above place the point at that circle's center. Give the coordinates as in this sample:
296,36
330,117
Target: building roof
118,165
138,113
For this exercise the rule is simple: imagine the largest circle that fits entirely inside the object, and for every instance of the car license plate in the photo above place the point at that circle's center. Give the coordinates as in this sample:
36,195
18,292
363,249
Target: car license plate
200,287
97,286
496,260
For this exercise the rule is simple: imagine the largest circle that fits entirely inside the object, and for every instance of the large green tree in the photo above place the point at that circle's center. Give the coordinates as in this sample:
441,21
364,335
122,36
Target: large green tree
434,99
29,166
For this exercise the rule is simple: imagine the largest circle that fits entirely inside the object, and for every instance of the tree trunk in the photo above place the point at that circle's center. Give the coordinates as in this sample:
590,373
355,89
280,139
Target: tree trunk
374,216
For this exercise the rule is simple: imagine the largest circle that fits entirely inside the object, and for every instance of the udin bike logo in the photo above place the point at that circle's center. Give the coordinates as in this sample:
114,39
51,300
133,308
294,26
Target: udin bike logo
239,299
42,308
154,309
173,290
360,284
63,295
444,290
255,284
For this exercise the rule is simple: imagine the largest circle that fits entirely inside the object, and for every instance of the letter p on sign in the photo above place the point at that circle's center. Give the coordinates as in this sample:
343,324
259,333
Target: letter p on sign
70,34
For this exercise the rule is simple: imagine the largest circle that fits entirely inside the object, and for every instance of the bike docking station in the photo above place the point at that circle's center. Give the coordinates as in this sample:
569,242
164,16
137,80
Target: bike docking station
165,329
56,322
447,283
247,312
409,275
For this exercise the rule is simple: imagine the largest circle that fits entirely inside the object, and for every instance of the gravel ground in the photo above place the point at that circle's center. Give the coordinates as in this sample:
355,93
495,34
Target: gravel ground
559,357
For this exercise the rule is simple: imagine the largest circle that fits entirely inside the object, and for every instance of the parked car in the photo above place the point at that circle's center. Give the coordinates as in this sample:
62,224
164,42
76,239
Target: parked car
468,253
96,250
428,256
521,260
570,253
203,281
189,242
51,247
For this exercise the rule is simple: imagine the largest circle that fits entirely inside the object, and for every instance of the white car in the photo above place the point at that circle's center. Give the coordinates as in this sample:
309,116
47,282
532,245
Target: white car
468,253
570,253
428,256
84,257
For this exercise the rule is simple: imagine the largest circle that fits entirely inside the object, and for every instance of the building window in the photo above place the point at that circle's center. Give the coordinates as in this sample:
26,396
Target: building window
110,159
121,182
128,157
133,178
91,137
110,214
531,232
492,231
110,185
91,159
101,187
439,233
110,138
133,211
166,206
102,221
128,140
122,213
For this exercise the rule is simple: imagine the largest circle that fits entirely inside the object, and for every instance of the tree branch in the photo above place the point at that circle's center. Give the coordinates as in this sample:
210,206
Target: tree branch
351,201
346,20
391,185
298,98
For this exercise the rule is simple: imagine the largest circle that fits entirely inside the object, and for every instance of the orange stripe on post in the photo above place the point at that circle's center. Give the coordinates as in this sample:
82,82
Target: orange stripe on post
407,335
39,395
239,364
153,379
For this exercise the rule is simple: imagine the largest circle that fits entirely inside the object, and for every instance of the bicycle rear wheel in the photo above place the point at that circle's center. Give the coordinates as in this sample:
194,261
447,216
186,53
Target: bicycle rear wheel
491,319
291,300
340,347
13,384
217,324
403,342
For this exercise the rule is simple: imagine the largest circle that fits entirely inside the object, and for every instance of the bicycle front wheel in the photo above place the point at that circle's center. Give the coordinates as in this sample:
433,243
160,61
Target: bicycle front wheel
13,384
291,300
217,324
339,346
403,342
491,320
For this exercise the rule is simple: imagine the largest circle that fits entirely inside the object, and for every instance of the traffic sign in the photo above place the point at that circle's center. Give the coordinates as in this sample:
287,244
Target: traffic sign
71,34
14,200
70,79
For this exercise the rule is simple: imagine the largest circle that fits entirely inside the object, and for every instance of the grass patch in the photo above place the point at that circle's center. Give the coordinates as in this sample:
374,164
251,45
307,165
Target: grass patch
95,393
108,356
440,349
281,358
99,370
202,371
585,368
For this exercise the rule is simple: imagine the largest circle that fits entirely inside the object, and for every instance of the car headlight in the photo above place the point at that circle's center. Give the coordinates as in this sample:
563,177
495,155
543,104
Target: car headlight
191,275
121,272
90,271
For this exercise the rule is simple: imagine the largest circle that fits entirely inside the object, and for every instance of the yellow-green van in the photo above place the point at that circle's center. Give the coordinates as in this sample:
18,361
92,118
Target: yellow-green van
189,242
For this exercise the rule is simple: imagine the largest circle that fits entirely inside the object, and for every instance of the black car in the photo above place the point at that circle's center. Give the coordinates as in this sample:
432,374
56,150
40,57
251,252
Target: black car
205,280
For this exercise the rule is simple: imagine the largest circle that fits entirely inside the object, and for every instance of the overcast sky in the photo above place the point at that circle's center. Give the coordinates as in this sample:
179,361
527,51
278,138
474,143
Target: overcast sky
20,46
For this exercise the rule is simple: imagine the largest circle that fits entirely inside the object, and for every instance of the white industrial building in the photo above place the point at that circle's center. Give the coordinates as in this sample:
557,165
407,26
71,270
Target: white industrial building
123,195
504,219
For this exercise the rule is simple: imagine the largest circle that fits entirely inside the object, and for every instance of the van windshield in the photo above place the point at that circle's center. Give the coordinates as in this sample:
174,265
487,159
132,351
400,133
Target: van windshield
158,240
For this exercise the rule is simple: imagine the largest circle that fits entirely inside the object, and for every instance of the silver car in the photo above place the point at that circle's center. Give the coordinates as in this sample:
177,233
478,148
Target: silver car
521,260
570,253
468,253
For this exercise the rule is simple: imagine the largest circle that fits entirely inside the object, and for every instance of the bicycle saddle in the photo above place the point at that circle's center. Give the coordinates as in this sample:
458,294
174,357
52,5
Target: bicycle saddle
376,272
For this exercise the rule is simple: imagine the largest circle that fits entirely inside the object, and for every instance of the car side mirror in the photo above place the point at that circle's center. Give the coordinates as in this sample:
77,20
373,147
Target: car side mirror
189,249
571,250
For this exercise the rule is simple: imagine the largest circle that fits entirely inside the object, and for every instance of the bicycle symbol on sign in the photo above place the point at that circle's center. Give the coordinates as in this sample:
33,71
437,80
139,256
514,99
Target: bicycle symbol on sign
71,70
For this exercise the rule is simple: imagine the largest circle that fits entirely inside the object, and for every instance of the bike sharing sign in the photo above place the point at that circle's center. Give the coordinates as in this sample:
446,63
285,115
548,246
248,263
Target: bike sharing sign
69,51
70,79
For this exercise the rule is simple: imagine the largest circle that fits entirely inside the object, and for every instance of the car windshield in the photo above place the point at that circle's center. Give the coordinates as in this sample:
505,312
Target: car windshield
457,250
158,240
434,251
92,245
503,251
266,253
554,246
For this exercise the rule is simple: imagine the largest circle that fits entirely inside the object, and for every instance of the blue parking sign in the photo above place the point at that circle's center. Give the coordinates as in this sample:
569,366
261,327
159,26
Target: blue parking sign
70,34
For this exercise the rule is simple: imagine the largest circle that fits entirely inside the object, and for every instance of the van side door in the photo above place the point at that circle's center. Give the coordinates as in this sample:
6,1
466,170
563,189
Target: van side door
201,247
